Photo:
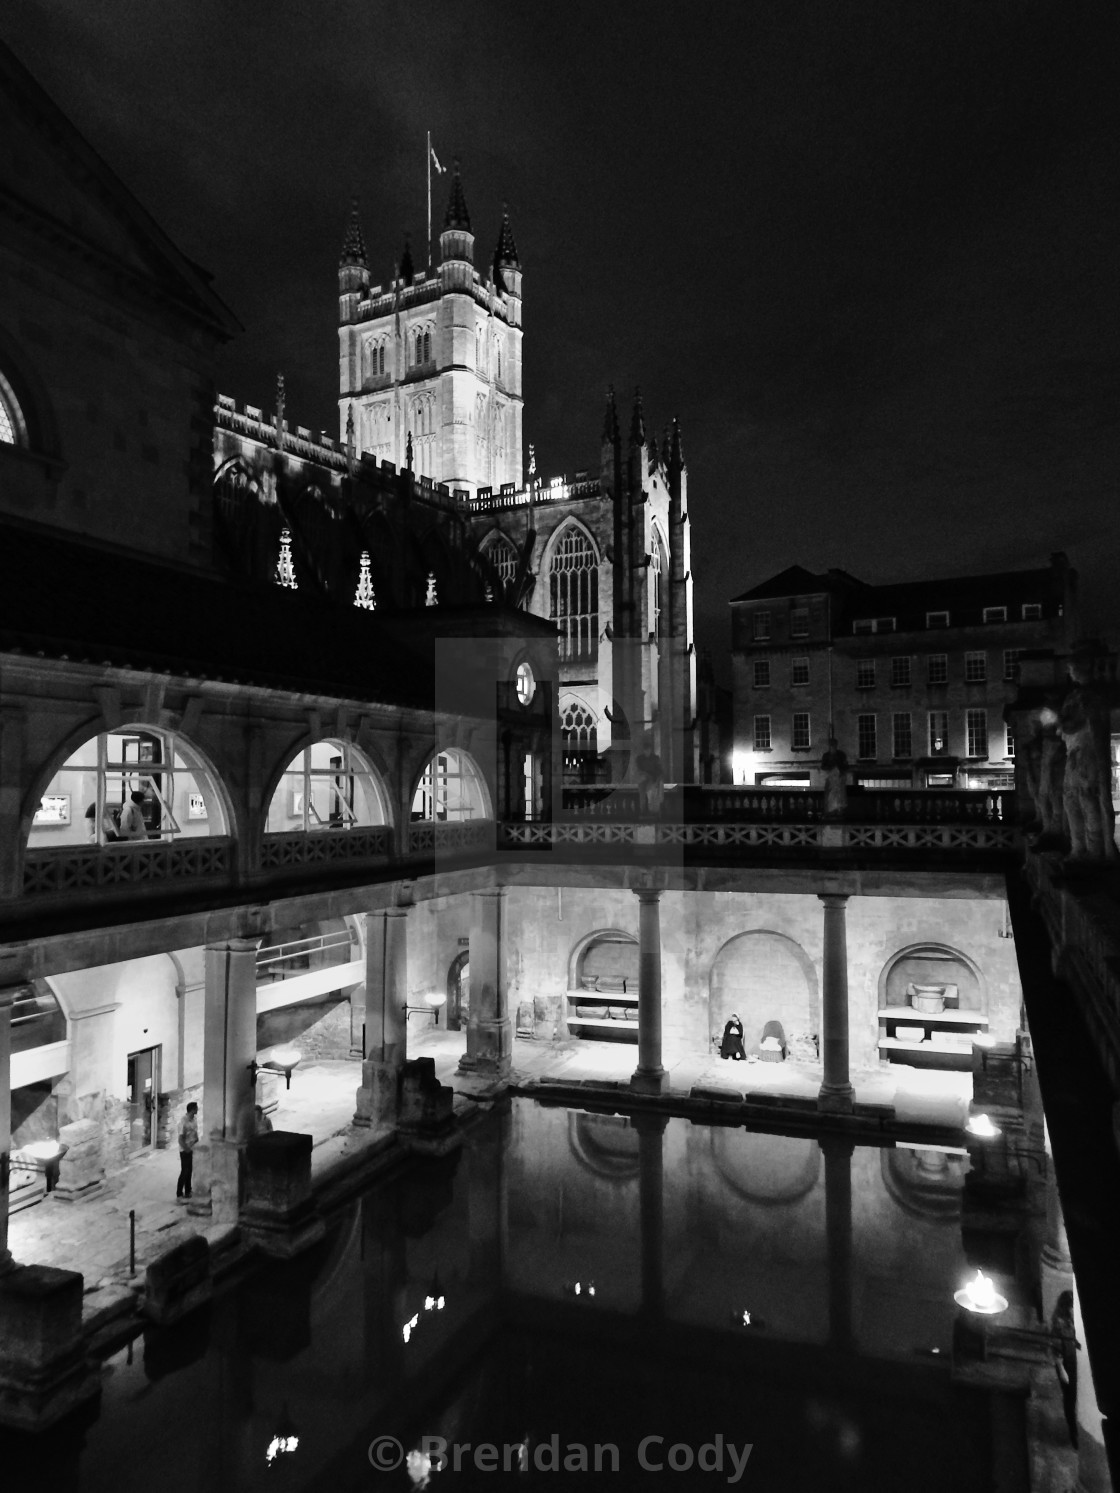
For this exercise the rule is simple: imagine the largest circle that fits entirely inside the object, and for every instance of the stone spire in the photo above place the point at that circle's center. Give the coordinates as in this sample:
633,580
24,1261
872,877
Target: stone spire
638,421
676,455
610,418
505,255
354,244
457,215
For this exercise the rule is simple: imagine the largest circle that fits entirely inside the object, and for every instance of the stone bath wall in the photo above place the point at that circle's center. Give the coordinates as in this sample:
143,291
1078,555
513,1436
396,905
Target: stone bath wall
545,926
319,1028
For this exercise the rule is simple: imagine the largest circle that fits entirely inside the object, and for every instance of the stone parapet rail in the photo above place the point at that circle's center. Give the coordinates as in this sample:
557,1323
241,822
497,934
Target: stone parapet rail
608,835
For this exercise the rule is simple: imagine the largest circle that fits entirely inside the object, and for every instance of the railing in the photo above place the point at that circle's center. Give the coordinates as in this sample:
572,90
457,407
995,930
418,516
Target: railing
720,805
299,848
603,833
128,867
454,838
276,961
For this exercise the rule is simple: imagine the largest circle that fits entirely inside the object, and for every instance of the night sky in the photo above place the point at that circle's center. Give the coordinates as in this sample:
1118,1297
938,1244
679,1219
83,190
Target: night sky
865,251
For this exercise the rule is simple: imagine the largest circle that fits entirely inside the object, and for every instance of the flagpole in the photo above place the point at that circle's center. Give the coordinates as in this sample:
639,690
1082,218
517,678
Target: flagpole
429,199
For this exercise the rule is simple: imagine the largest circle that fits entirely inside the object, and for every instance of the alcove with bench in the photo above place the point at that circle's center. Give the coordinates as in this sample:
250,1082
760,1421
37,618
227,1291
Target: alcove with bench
602,999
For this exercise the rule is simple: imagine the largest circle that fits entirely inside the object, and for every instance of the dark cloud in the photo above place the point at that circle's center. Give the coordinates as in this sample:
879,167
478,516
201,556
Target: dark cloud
866,252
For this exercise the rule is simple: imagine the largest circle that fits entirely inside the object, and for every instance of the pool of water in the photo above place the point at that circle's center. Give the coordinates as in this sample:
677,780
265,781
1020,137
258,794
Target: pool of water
575,1299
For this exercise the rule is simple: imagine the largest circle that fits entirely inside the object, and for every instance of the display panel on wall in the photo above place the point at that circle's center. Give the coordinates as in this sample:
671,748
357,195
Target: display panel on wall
53,809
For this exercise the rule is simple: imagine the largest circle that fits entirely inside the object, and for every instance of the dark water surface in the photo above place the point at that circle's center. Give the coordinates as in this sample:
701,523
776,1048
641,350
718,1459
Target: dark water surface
444,1304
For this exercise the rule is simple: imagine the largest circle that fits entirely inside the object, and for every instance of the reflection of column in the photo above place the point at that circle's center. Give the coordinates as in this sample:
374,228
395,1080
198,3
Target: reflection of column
1092,1459
836,1092
649,1075
651,1183
385,1015
488,1202
838,1232
6,998
489,1030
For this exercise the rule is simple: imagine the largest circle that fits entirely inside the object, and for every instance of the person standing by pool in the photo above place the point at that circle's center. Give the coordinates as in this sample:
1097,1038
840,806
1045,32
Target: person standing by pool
188,1139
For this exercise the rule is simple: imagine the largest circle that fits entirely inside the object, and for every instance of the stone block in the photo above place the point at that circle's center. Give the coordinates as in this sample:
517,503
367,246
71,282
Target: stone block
426,1104
44,1375
378,1099
178,1281
82,1171
278,1213
217,1186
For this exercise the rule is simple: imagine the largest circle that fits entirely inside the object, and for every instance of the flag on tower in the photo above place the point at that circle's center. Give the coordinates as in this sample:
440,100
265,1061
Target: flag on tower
435,158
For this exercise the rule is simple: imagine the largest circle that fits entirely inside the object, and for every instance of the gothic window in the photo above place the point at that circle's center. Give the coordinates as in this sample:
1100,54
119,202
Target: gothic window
657,583
381,358
503,557
13,430
579,739
574,596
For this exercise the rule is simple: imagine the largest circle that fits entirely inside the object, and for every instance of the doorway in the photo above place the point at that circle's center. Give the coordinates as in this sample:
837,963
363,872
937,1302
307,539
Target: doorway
143,1087
459,992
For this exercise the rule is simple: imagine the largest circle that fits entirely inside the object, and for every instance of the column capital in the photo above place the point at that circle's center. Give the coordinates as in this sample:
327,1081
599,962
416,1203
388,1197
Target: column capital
647,894
834,899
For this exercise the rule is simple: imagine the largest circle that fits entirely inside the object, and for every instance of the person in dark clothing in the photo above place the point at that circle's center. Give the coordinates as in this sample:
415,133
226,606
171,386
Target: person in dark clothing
1064,1348
188,1139
732,1044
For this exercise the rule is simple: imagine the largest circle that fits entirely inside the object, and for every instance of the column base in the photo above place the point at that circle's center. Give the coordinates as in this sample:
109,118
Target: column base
836,1098
216,1183
649,1080
279,1214
378,1101
489,1049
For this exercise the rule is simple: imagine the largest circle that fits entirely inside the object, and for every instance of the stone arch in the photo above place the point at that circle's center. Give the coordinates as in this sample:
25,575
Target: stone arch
764,976
570,522
458,990
78,765
608,952
934,963
606,1145
38,429
926,1184
763,1168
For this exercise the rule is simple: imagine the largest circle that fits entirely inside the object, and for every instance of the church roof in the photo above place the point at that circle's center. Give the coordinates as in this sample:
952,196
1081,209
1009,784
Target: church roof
457,215
354,244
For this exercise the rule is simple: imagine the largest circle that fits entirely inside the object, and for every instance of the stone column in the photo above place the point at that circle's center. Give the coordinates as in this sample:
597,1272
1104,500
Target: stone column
6,998
489,1029
649,1076
227,1120
651,1185
838,1231
836,1092
385,1015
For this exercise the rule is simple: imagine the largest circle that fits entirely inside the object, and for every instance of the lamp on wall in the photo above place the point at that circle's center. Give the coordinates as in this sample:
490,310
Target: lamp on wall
43,1156
982,1127
980,1296
283,1060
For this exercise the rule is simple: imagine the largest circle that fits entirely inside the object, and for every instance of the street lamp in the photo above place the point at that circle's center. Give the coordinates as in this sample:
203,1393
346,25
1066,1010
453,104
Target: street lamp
282,1060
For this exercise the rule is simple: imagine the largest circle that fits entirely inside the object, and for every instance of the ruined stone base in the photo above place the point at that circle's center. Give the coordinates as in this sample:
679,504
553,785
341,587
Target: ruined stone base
378,1099
81,1173
178,1282
278,1214
216,1185
44,1374
427,1120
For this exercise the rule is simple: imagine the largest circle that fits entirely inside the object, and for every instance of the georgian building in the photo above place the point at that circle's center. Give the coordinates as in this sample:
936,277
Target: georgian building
911,679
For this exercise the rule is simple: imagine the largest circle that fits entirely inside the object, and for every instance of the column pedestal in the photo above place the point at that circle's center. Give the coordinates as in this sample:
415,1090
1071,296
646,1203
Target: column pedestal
44,1374
489,1029
649,1077
836,1093
279,1214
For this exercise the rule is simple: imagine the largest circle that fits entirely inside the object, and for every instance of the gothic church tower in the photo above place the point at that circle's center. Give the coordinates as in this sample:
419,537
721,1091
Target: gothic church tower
435,356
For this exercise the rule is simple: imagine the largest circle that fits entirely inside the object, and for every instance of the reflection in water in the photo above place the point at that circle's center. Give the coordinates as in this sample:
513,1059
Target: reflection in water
577,1281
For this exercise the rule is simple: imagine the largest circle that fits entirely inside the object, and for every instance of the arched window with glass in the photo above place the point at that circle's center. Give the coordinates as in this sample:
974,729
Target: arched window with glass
451,789
579,736
13,427
500,553
134,783
574,596
658,577
330,785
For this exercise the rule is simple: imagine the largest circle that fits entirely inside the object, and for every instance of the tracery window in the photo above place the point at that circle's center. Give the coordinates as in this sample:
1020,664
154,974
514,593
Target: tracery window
579,736
327,786
574,596
503,557
13,428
